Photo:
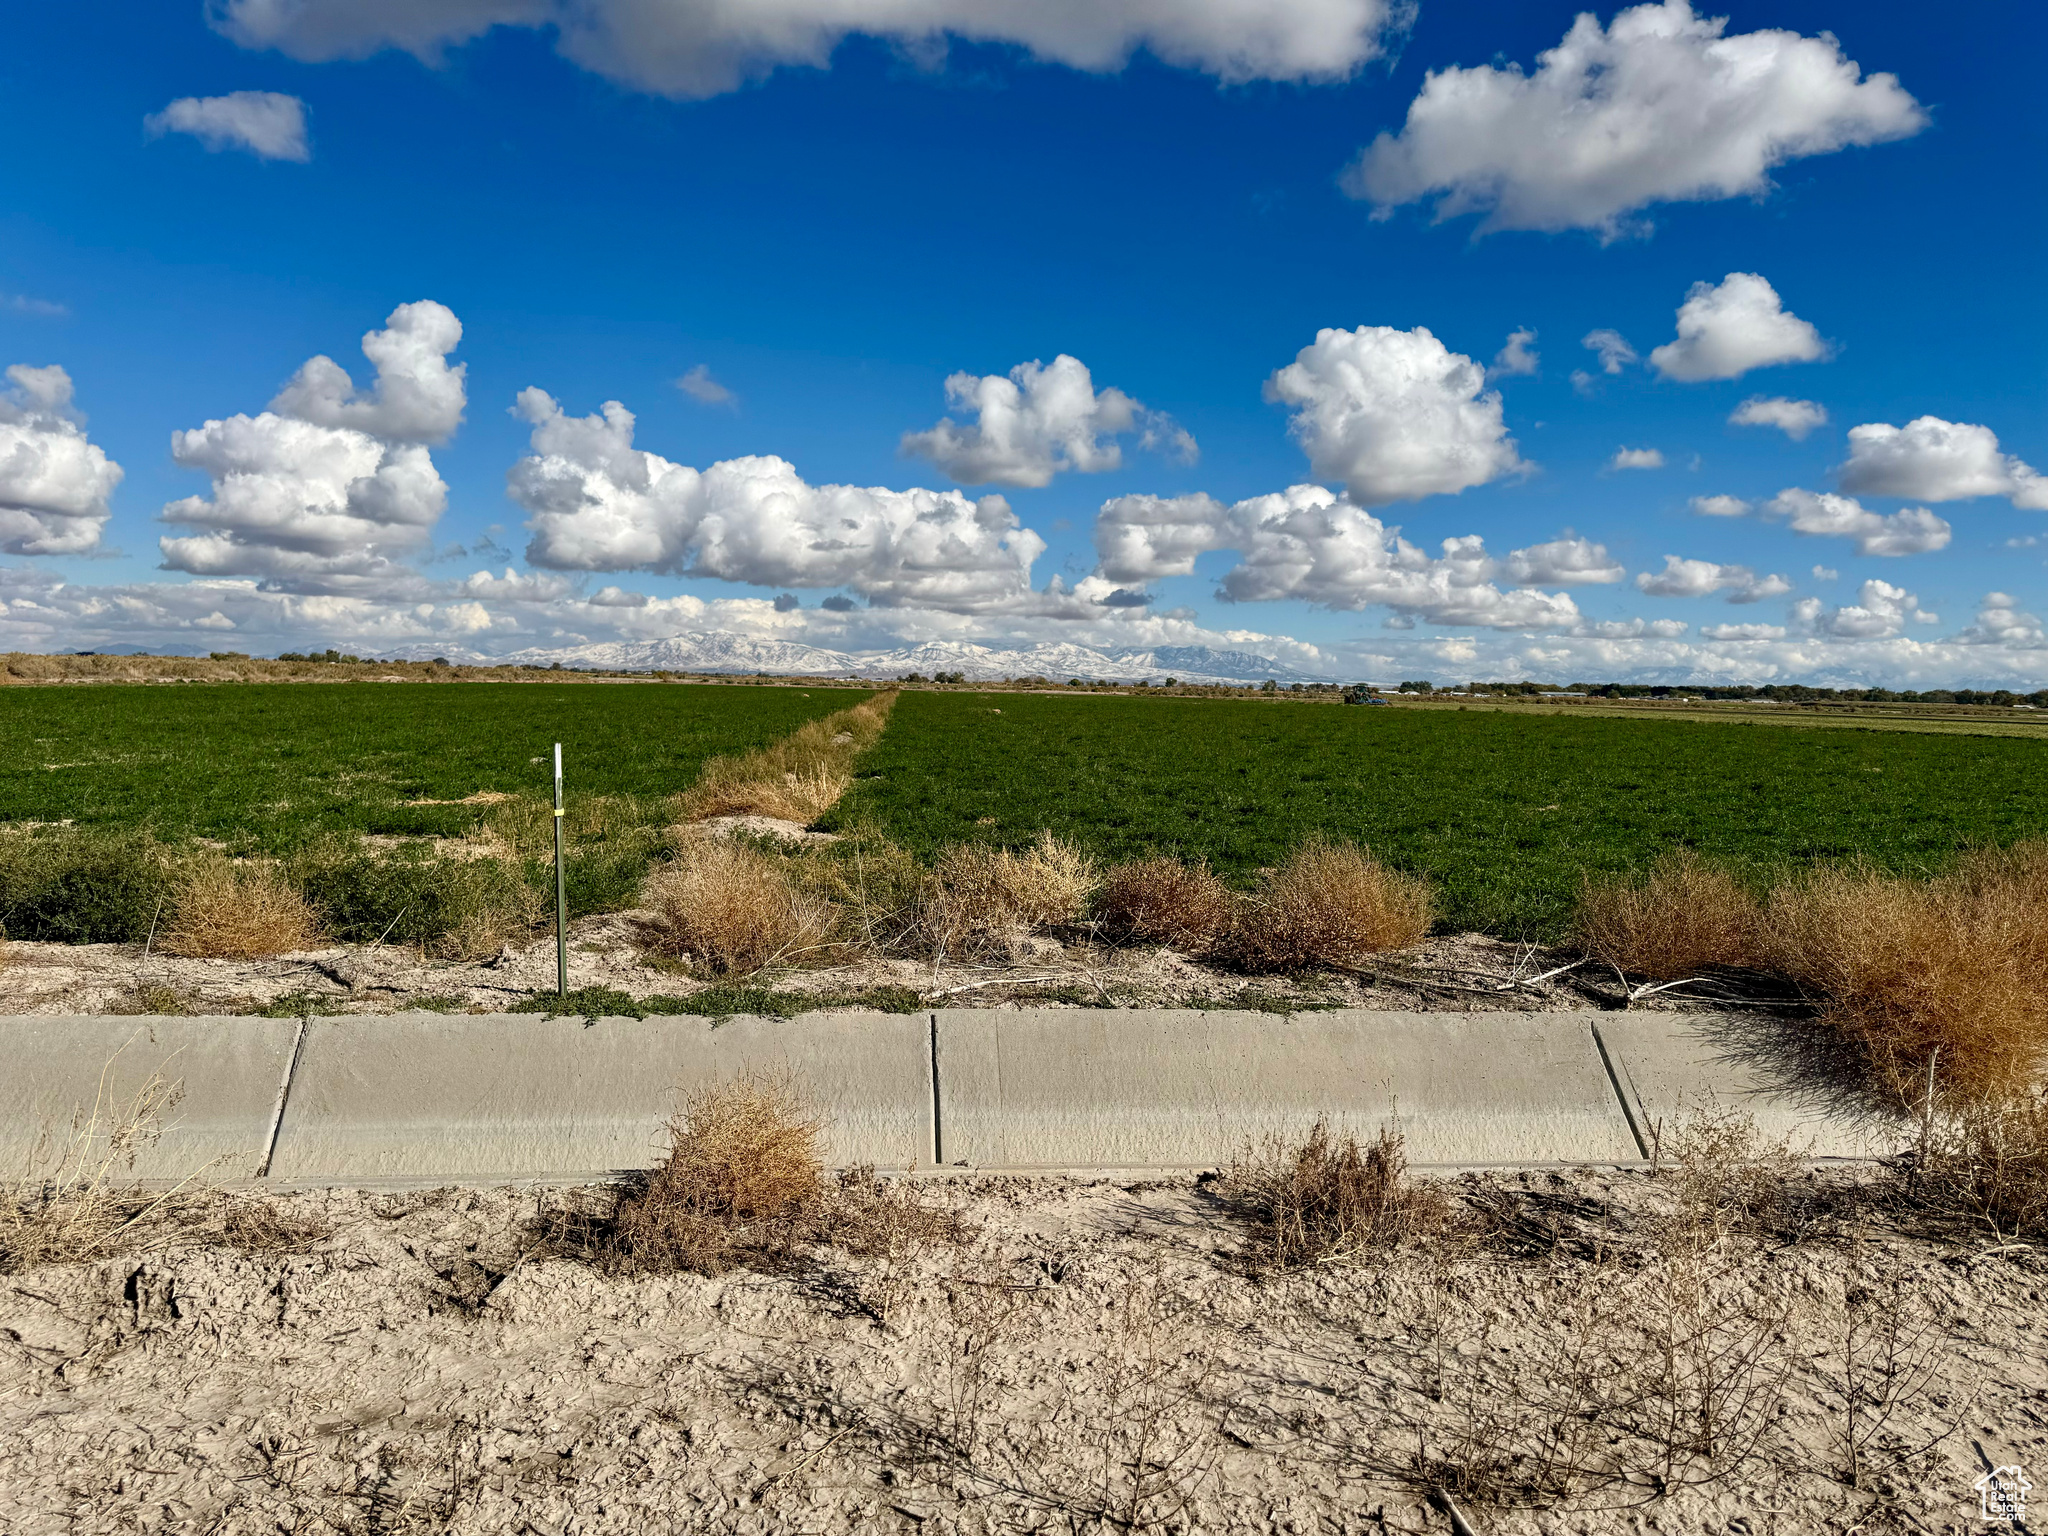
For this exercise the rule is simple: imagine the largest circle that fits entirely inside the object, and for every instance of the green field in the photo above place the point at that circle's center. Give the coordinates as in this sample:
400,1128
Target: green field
1502,810
267,766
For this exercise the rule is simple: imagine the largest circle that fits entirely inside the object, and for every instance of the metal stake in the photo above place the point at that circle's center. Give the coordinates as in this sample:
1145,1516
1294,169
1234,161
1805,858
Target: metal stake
561,890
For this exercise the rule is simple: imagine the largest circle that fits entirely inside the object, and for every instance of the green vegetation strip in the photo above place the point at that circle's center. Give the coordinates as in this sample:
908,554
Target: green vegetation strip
266,766
1503,811
715,1003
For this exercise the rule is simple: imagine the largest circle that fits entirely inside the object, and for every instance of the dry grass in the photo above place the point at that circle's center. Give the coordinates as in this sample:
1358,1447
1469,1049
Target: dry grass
77,1200
744,1183
222,909
1686,916
1328,1199
1988,1164
1328,902
732,908
1164,901
1948,976
979,896
796,779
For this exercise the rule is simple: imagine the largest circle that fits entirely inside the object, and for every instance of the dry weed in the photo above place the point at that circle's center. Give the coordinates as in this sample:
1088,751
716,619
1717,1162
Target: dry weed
743,1167
1328,902
77,1200
1987,1164
1947,976
1686,916
978,896
744,1183
732,908
1728,1177
796,779
1164,901
1329,1200
221,909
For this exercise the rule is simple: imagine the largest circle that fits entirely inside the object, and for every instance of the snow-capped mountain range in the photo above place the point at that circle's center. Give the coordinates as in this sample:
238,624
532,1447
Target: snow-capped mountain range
715,651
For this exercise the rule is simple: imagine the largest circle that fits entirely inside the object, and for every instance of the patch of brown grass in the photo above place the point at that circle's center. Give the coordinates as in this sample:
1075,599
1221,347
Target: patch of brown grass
77,1201
798,778
1328,902
978,896
1327,1199
1948,974
1164,901
732,908
1684,917
221,909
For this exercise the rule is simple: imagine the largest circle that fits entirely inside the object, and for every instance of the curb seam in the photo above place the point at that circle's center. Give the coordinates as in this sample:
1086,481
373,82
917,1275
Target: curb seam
1614,1081
284,1093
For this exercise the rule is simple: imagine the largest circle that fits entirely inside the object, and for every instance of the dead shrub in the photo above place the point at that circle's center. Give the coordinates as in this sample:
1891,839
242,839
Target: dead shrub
732,908
798,778
1684,917
1329,1200
1948,975
221,909
1729,1177
1164,901
1328,902
743,1168
978,896
1988,1165
744,1183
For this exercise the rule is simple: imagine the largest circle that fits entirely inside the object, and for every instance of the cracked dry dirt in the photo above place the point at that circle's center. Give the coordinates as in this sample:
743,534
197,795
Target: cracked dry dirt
1095,1356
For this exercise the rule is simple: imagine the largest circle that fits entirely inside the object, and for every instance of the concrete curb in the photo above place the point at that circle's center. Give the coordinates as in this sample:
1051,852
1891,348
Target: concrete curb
406,1100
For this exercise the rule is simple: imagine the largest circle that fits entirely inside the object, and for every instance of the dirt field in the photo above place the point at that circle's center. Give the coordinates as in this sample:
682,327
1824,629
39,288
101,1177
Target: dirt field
1594,1354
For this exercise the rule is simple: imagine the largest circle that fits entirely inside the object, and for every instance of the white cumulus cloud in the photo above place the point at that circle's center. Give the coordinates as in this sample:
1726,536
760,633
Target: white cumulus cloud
1517,357
1305,544
1726,329
1721,506
1794,418
1699,578
269,125
1743,632
2002,622
54,481
1880,612
1565,562
1636,458
1615,352
418,396
1661,106
1930,459
597,503
329,484
1394,415
704,389
696,48
1913,531
1036,421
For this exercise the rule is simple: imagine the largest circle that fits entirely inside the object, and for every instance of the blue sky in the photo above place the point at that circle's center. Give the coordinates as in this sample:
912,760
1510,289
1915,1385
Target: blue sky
828,226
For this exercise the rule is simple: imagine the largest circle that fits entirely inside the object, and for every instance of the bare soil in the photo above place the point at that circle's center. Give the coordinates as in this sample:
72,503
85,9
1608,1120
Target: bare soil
1069,969
1094,1356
